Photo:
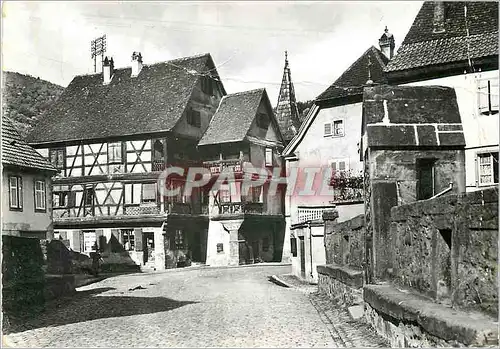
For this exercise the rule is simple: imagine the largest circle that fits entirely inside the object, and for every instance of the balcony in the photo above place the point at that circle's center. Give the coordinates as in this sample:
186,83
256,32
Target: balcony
241,207
217,166
348,195
141,209
311,213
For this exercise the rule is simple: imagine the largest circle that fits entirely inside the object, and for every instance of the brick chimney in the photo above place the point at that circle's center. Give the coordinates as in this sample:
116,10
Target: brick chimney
386,43
438,17
136,63
107,70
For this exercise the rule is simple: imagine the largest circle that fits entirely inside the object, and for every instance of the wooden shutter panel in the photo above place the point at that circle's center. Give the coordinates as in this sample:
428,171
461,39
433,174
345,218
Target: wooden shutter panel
77,240
494,94
138,239
483,97
328,129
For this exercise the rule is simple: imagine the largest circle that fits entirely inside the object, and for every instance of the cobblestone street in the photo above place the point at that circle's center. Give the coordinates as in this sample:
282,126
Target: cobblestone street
226,307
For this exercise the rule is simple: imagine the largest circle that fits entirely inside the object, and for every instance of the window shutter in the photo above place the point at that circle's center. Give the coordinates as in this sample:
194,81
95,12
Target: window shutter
138,239
328,129
77,243
483,96
20,191
494,95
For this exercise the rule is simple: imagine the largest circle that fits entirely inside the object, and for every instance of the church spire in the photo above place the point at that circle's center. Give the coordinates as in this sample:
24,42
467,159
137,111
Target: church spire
287,113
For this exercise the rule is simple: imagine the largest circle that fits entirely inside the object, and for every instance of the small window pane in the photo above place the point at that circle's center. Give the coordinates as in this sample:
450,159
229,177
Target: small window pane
13,192
269,157
338,128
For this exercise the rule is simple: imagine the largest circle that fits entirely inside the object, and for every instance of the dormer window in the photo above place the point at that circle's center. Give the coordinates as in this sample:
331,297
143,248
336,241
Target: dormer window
207,85
193,117
262,121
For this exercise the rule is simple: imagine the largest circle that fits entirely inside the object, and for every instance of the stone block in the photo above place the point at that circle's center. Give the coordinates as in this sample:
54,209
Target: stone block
356,311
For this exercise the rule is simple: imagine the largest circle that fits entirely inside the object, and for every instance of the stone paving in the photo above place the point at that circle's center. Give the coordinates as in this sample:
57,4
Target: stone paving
212,307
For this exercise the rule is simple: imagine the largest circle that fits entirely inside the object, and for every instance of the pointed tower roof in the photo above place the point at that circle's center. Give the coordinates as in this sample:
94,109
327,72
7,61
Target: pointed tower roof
287,113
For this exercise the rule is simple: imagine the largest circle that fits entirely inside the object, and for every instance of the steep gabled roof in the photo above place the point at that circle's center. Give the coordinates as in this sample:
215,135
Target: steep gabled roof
351,82
151,102
233,117
468,33
16,152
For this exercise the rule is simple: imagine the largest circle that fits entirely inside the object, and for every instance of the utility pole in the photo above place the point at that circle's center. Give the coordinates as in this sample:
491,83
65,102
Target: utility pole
98,47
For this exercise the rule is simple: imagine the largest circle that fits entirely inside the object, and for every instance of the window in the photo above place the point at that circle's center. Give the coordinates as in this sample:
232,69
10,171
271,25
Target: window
488,96
128,239
148,192
339,165
57,158
328,129
16,193
207,85
262,121
193,117
179,240
60,198
89,196
115,153
89,241
40,195
487,168
255,192
338,128
293,246
224,193
425,176
269,157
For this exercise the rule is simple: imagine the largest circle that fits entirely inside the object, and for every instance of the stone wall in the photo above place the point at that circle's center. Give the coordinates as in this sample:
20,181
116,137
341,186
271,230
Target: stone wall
446,248
344,242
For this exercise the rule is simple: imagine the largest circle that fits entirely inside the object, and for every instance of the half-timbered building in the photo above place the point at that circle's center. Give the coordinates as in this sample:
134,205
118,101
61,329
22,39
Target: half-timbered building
246,226
110,135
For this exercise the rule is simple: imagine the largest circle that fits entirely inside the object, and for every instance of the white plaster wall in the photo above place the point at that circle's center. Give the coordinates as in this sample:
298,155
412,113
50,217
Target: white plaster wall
481,131
318,256
27,219
217,234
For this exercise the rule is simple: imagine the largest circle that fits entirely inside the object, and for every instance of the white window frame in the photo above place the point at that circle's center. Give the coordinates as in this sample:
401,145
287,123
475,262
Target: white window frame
486,101
335,133
337,164
16,193
115,157
91,238
491,164
40,195
269,156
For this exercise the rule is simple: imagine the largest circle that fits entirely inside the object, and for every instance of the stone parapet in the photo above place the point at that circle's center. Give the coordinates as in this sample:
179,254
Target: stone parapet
407,319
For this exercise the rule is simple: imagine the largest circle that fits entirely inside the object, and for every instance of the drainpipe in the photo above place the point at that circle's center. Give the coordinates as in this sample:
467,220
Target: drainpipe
310,247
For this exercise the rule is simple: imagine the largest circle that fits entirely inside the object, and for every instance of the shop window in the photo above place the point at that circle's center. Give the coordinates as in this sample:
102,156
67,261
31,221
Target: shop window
128,239
179,240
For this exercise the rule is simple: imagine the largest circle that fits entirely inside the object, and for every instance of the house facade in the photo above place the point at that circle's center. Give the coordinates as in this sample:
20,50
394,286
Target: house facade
455,44
246,222
26,184
111,135
329,139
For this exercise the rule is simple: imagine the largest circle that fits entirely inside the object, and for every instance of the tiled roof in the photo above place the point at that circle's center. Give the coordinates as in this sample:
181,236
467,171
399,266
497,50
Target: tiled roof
287,113
352,81
422,47
151,102
16,152
233,118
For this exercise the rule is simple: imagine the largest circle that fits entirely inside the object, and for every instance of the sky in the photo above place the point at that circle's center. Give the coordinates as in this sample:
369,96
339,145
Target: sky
247,40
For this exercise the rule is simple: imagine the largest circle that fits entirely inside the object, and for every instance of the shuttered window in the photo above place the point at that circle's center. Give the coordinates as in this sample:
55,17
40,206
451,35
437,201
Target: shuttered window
115,153
148,192
488,96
